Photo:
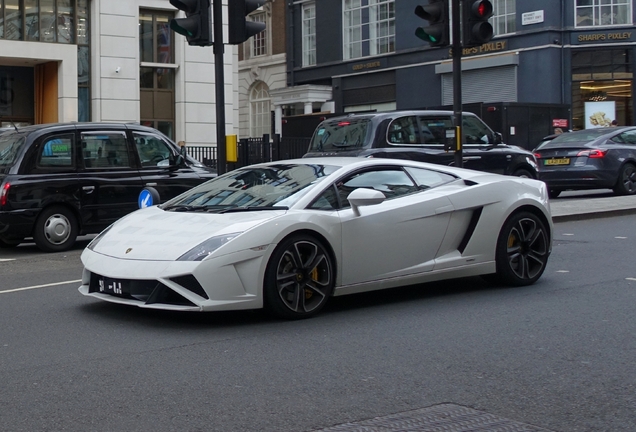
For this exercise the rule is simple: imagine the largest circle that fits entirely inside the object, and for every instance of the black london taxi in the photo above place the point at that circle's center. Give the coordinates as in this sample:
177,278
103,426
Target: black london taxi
58,181
420,135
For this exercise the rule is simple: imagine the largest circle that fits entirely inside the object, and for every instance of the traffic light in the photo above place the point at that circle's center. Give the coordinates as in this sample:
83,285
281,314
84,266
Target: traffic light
196,25
240,28
437,33
476,28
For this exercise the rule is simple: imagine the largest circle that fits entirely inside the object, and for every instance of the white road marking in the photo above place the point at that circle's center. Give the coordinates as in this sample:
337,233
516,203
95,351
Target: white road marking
7,259
40,286
563,271
631,279
567,234
620,238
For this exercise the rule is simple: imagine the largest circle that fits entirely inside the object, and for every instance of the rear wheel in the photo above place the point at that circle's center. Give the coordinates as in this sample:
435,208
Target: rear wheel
299,278
626,184
55,229
522,250
523,173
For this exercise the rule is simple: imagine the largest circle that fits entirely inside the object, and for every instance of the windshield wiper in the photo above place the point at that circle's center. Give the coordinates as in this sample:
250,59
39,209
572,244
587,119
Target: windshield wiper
252,208
185,208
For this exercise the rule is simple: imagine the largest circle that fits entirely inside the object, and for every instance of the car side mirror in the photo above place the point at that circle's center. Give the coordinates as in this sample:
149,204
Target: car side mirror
181,157
498,138
364,197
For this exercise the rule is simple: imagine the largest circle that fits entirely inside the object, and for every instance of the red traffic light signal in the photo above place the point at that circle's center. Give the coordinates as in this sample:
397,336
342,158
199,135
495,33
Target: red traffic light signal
437,33
476,30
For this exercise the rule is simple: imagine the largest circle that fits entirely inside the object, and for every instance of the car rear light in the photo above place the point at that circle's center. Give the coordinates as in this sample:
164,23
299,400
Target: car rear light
537,155
4,193
593,154
344,123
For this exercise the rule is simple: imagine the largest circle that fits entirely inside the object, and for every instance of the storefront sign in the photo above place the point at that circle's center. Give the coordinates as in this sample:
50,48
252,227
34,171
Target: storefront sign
596,37
368,65
483,49
535,17
560,123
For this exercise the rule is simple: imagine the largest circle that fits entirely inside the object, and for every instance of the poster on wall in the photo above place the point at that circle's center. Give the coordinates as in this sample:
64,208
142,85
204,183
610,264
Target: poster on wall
599,114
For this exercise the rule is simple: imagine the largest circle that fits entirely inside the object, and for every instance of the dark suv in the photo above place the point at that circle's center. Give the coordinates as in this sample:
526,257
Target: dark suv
420,135
58,181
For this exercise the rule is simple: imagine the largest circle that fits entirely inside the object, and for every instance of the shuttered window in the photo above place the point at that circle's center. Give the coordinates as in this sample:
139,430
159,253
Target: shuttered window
497,84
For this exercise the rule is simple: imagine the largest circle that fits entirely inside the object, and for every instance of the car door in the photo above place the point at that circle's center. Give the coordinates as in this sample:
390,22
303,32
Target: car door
479,150
398,237
109,179
157,158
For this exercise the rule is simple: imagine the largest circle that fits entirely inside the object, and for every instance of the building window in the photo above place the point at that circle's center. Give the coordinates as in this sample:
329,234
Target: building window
260,107
601,87
309,34
369,28
603,12
504,16
157,71
259,40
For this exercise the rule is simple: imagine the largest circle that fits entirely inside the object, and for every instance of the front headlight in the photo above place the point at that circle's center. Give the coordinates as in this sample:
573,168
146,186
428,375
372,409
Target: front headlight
198,253
99,237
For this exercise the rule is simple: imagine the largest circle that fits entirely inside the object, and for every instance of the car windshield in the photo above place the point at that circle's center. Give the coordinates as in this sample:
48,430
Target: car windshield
342,134
253,188
577,137
10,145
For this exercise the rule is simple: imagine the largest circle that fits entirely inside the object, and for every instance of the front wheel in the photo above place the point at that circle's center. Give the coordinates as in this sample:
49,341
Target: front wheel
626,184
299,278
55,229
523,173
522,252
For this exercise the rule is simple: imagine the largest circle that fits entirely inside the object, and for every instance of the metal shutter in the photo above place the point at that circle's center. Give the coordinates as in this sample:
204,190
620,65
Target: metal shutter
497,84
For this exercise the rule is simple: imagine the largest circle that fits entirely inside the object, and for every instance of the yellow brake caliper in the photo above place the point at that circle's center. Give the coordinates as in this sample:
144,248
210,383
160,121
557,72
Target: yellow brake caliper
314,277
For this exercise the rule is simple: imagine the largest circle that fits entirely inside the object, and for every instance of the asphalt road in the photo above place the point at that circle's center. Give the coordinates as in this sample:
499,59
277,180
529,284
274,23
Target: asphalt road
558,355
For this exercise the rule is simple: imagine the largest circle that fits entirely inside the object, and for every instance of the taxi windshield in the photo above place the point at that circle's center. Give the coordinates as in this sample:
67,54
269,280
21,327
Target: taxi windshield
342,134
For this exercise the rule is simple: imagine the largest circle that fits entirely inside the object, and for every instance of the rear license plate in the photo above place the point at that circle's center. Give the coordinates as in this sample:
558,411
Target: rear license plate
111,286
560,161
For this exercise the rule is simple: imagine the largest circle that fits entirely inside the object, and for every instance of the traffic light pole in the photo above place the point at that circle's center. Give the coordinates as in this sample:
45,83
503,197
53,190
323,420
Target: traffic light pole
221,157
457,82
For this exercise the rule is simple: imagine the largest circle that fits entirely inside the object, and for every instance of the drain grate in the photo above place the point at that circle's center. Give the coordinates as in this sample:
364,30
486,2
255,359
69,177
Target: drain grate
438,418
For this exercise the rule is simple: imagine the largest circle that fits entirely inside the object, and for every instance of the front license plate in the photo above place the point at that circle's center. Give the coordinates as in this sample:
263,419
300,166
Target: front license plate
111,286
560,161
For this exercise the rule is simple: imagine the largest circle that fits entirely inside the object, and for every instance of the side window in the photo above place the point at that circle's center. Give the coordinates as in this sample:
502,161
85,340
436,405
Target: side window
403,131
628,137
152,150
433,129
105,150
391,182
57,153
328,200
426,179
476,132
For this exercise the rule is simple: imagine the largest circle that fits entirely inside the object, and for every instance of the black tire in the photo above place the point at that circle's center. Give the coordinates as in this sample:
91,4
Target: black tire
523,173
299,278
7,244
56,229
626,183
554,193
522,250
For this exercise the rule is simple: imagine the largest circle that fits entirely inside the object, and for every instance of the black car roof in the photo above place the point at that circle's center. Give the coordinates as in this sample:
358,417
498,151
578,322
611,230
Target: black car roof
394,114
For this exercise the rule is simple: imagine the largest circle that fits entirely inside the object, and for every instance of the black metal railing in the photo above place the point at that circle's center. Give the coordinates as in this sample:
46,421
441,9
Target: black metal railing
255,150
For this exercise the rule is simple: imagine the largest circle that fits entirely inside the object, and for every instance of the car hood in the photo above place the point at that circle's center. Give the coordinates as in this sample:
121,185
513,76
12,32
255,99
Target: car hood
154,234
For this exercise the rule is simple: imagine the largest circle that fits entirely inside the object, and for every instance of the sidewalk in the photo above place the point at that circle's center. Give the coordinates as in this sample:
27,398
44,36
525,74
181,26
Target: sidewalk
567,209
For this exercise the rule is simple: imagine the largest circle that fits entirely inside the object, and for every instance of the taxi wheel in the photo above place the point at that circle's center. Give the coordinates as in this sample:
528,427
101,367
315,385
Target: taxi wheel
299,278
523,249
56,229
626,184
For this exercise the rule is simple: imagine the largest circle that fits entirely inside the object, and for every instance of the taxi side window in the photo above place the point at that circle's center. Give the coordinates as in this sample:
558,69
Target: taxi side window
57,153
152,150
476,132
105,150
433,129
403,131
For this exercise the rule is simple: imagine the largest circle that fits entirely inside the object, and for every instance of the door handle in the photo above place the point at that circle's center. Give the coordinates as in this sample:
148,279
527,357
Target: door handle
88,189
466,158
151,184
